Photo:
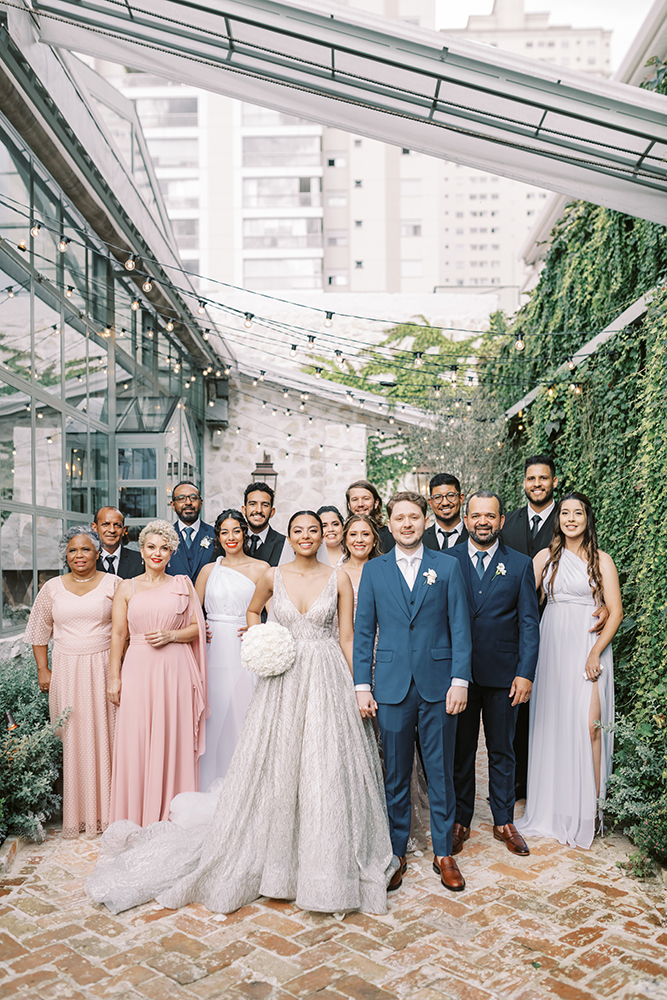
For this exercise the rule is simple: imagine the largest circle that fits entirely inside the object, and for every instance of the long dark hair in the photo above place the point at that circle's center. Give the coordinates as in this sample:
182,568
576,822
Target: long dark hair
377,544
589,544
364,484
236,515
298,513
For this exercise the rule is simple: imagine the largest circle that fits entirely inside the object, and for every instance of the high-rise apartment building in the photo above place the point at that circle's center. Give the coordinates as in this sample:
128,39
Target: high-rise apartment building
271,202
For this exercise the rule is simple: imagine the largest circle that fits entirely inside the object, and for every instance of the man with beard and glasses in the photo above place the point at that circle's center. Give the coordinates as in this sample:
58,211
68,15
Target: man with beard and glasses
445,499
263,542
504,621
196,538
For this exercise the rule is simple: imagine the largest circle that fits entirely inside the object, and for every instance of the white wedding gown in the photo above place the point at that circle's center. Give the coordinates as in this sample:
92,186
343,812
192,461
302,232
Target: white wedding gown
561,799
230,687
301,813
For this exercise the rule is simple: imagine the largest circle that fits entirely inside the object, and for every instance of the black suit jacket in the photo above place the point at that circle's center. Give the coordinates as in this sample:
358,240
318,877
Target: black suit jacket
386,538
271,549
516,532
430,538
130,563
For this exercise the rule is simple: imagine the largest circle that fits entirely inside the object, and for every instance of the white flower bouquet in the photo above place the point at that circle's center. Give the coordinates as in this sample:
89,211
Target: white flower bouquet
268,650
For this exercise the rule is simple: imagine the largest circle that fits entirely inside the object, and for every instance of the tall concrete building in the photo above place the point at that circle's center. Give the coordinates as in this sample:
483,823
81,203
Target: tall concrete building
271,202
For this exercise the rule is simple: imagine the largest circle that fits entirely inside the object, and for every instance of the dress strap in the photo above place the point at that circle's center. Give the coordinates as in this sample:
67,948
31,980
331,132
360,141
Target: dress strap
133,586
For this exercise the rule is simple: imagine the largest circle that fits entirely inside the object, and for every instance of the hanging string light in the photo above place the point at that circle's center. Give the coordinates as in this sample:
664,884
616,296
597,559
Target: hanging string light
328,319
131,262
147,285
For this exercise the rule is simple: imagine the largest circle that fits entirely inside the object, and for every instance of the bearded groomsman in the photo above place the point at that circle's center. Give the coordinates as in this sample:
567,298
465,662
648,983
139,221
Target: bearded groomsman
445,501
263,542
504,621
195,536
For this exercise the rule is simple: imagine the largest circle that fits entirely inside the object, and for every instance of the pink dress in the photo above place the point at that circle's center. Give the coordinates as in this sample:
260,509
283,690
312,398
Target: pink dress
81,628
159,726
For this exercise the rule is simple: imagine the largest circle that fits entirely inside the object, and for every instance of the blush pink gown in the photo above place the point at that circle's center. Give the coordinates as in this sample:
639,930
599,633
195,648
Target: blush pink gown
163,702
81,628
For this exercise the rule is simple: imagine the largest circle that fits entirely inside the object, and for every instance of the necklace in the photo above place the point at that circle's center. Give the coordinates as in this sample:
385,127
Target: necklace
87,580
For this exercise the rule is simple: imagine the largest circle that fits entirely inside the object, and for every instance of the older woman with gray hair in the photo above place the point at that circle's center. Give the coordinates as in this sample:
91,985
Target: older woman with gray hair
160,686
76,610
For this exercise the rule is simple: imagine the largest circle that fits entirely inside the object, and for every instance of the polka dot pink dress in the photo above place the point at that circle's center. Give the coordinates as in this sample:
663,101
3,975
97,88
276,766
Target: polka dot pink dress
81,629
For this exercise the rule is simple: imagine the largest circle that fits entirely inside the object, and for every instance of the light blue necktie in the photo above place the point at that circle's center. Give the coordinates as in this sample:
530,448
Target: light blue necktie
480,564
189,532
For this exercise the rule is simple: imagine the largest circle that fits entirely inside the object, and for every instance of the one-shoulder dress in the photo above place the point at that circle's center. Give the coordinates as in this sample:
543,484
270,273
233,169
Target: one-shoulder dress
301,813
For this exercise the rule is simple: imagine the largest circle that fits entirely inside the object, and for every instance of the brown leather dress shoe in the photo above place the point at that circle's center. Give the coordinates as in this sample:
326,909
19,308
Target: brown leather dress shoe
449,873
396,880
512,839
460,834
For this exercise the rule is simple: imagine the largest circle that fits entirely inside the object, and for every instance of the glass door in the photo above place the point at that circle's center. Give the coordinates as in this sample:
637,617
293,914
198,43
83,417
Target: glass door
142,480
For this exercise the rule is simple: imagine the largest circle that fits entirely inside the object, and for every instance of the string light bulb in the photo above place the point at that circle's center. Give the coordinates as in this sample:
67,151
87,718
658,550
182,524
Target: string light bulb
62,243
519,344
206,334
328,319
107,331
10,292
436,391
311,338
34,229
135,304
261,376
69,292
570,364
318,373
131,262
149,333
170,326
227,370
201,307
338,353
147,285
418,359
293,350
247,322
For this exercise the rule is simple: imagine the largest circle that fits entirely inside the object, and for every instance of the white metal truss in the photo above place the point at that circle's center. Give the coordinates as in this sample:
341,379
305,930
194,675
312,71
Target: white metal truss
575,134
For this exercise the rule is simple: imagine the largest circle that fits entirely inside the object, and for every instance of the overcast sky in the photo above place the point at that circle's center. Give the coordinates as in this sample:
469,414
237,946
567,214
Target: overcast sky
623,17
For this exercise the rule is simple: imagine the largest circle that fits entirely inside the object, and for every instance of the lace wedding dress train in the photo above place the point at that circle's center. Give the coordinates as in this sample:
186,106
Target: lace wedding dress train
301,813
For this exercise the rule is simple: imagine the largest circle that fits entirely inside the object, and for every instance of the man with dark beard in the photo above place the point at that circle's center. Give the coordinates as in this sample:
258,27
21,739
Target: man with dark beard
195,536
530,528
263,542
504,621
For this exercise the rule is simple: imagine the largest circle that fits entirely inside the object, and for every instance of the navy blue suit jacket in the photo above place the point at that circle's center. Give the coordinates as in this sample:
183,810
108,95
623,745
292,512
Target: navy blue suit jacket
424,634
189,561
504,618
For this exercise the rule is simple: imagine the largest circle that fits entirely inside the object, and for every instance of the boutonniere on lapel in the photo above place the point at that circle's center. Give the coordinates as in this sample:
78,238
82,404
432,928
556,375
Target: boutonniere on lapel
430,577
500,570
205,542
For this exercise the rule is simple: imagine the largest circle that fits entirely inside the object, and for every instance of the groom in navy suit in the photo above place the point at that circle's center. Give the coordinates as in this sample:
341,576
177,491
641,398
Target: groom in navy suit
196,537
504,620
416,599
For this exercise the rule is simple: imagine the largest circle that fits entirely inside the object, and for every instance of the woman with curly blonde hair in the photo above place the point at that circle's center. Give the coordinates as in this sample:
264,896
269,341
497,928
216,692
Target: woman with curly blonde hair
159,686
570,754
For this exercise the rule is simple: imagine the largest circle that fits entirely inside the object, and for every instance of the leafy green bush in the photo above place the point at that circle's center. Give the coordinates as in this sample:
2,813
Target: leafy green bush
636,797
30,755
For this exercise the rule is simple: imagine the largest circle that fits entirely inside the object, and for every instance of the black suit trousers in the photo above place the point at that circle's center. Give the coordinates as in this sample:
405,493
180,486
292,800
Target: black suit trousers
499,717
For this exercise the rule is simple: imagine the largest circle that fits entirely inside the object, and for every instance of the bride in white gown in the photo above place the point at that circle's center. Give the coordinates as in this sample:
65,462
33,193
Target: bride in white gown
569,758
225,589
301,813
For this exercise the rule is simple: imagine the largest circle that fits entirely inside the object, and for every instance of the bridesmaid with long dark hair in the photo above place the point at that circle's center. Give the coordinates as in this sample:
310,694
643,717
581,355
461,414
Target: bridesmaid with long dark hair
570,754
225,588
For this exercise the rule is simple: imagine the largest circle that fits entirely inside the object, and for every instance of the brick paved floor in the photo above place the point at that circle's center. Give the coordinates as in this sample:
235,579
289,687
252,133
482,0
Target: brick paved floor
561,923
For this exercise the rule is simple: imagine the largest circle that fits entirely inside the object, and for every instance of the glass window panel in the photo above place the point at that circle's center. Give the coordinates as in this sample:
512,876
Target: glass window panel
74,347
15,327
138,501
99,453
98,379
167,112
76,465
15,183
174,152
47,324
48,456
282,151
15,445
282,233
282,192
16,536
46,256
48,534
137,463
297,272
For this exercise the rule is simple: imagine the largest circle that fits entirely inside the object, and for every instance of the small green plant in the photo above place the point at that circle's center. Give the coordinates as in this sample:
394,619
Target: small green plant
30,754
638,865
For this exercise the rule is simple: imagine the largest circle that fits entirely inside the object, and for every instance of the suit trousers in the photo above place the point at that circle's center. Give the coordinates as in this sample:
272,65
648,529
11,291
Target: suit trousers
437,735
499,718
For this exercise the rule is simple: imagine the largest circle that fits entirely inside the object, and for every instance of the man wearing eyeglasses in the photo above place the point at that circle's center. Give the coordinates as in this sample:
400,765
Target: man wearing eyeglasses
445,501
196,537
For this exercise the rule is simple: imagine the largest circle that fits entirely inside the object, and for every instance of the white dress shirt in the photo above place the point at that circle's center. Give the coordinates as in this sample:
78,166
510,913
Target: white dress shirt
542,514
409,563
181,526
446,541
488,554
104,555
259,535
